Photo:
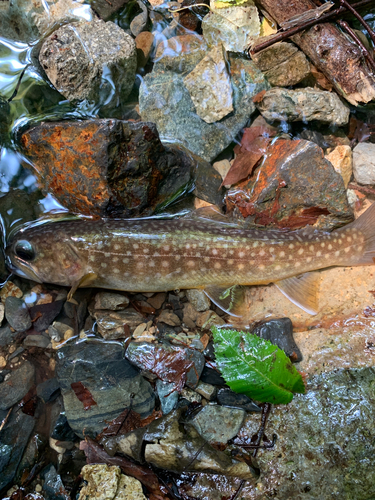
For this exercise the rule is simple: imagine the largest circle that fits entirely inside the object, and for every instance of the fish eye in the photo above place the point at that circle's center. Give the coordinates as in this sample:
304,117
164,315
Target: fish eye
24,250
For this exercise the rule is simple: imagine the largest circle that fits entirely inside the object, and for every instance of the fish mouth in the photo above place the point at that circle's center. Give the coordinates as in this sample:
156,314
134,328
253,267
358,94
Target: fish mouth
29,275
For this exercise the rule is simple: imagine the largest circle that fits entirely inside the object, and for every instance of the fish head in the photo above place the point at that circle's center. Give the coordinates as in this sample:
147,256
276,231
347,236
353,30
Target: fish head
45,256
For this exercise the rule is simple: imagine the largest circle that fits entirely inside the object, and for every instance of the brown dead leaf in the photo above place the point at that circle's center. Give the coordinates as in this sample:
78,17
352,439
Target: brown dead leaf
83,394
205,340
127,421
259,96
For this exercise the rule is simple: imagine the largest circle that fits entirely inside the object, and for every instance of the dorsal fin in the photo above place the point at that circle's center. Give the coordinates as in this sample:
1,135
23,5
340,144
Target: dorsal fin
302,290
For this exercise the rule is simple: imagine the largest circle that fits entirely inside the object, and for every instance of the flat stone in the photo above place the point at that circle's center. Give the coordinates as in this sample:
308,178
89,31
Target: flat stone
226,397
17,314
342,160
210,87
180,54
168,396
17,385
218,424
110,300
6,336
289,72
280,333
49,390
110,379
165,100
106,9
42,315
111,324
169,318
207,319
206,390
80,59
302,105
144,43
364,163
96,166
190,315
198,299
278,53
313,193
36,341
62,431
157,300
139,23
53,487
222,167
236,27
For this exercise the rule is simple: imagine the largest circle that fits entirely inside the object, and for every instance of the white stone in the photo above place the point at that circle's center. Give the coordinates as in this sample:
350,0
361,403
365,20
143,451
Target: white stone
222,167
364,163
342,160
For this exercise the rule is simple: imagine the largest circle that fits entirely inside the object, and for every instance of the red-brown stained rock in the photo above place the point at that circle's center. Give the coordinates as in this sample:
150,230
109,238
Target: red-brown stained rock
107,167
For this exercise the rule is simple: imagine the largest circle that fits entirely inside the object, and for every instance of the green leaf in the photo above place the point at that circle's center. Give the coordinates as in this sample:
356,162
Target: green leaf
255,367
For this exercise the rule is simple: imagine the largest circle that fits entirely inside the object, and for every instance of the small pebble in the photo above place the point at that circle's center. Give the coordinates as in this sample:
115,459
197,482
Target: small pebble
169,318
38,488
10,290
139,330
68,334
2,362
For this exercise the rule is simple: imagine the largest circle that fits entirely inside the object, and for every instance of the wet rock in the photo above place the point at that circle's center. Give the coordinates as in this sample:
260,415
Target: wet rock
49,390
302,105
42,315
59,330
13,440
37,341
105,9
212,377
191,18
207,319
113,324
143,355
111,167
363,163
144,43
16,208
169,445
25,21
342,160
106,482
53,487
206,390
165,100
62,430
17,314
222,167
190,315
169,318
112,301
110,380
10,290
208,185
320,434
16,385
236,27
198,299
189,396
180,54
6,336
218,424
157,300
168,395
280,333
85,60
209,86
4,119
139,23
226,397
309,191
283,63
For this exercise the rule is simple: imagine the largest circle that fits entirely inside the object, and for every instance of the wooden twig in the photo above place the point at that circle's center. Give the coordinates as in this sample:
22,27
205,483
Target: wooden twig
340,11
362,189
344,25
351,9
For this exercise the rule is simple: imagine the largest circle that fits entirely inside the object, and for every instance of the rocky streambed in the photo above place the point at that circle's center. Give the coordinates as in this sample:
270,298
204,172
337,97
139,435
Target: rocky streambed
135,109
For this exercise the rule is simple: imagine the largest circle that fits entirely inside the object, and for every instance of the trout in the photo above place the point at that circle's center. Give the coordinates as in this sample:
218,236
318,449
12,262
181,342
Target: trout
154,255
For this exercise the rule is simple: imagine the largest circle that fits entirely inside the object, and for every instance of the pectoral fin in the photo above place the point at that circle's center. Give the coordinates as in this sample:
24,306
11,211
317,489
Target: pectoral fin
302,290
86,280
228,299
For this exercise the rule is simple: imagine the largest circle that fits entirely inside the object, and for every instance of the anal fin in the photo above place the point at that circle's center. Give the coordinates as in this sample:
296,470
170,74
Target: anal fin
229,299
302,290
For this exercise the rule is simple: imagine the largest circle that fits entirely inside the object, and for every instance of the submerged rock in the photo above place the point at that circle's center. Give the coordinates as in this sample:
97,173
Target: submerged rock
17,314
109,167
342,160
302,105
364,163
209,86
88,60
96,377
179,54
218,424
165,100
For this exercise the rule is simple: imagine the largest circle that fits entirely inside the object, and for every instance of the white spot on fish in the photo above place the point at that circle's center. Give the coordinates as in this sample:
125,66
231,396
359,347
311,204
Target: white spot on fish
300,251
318,254
217,265
103,264
291,245
282,254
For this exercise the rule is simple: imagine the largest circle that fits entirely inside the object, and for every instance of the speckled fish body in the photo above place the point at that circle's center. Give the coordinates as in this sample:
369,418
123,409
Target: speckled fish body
153,255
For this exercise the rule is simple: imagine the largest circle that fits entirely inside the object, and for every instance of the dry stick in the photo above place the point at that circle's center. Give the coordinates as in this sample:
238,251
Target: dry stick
361,189
360,19
265,412
308,24
344,25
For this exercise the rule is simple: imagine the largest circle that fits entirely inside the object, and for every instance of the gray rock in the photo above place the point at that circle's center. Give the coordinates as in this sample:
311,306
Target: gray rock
48,391
17,314
139,23
210,87
58,330
303,105
198,300
206,390
280,333
235,27
218,424
169,318
110,379
364,163
6,336
226,397
111,323
106,9
190,396
13,440
85,61
164,100
53,487
110,300
168,395
36,341
179,54
319,435
140,354
17,385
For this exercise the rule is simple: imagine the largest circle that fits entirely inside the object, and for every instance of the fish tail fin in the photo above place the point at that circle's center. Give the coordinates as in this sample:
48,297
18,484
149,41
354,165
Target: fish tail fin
365,224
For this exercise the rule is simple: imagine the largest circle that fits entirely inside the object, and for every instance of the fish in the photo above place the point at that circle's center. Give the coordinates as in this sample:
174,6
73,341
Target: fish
202,251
